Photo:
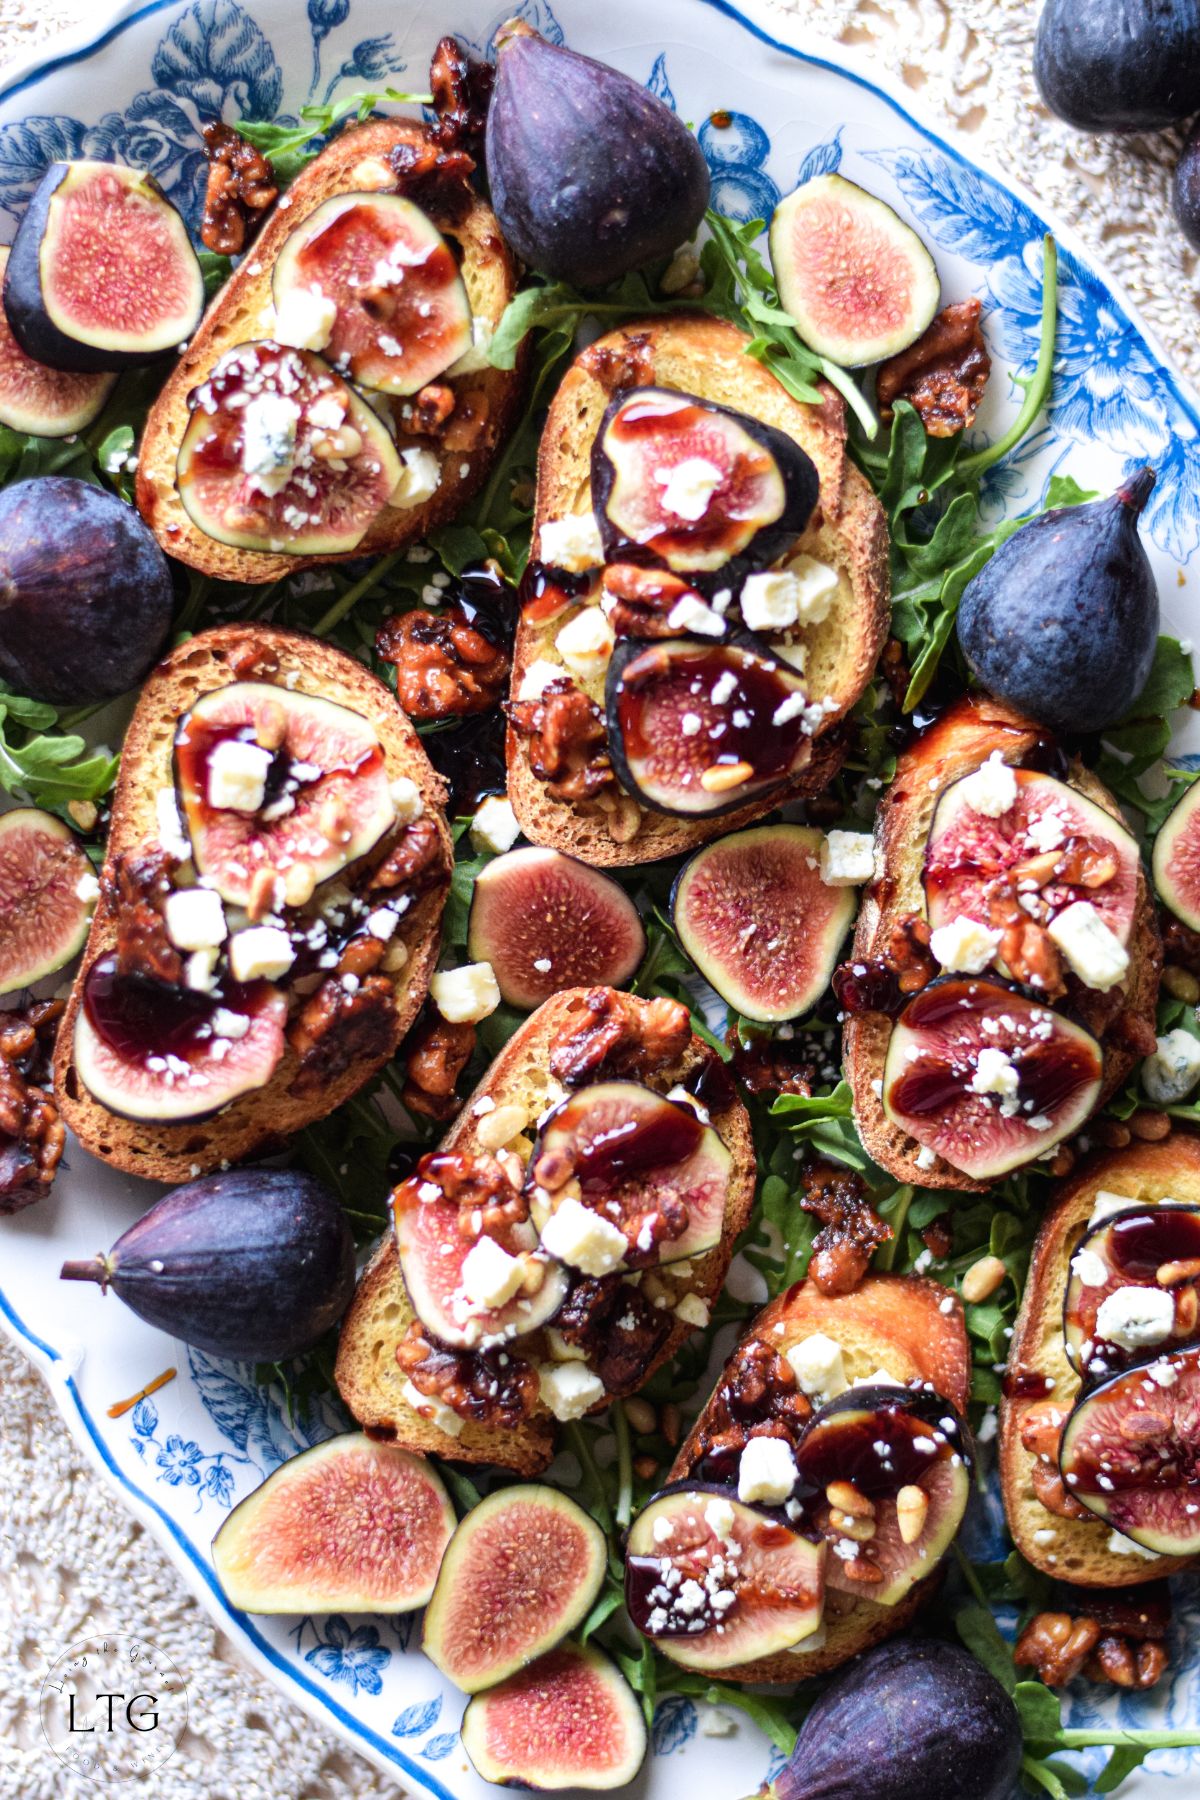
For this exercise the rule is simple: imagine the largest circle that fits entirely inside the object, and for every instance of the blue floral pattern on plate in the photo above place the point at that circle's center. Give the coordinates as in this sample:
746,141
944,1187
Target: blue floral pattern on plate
205,1447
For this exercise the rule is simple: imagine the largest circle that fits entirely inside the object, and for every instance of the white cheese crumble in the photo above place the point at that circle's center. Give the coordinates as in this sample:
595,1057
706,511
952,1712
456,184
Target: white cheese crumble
436,1411
495,826
1091,1269
490,1276
690,1309
569,1389
964,946
819,1367
1170,1074
584,1239
476,359
571,543
195,919
260,953
586,643
1106,1204
304,318
268,454
1136,1318
467,994
992,789
689,486
1092,951
690,613
995,1073
1120,1545
766,1471
419,480
847,858
406,799
537,679
237,776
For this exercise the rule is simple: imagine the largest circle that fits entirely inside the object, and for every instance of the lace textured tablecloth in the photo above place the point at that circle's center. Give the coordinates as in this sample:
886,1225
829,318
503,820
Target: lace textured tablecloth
71,1562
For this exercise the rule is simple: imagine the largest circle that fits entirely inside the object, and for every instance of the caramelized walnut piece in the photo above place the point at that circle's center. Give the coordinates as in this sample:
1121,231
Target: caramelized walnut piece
901,966
344,1022
492,1387
252,661
758,1396
437,1052
770,1065
1041,1433
427,413
938,1236
568,741
1181,945
445,668
1125,1632
943,374
241,186
416,861
616,1327
851,1230
627,363
488,1203
434,176
139,885
32,1136
643,600
1056,1646
620,1035
461,86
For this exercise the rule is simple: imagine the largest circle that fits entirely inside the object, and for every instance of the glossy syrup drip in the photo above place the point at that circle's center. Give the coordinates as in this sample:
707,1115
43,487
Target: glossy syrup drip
1139,1246
545,592
604,1159
138,1017
667,682
878,1451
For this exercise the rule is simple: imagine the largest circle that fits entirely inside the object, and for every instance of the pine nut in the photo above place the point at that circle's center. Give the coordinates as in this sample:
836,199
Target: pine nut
718,778
1150,1127
499,1127
912,1504
1171,1272
982,1279
645,1468
1181,984
670,1423
860,1530
640,1414
846,1497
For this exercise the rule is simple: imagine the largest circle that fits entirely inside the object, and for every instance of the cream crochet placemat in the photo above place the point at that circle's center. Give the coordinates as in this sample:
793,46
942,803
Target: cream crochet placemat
71,1561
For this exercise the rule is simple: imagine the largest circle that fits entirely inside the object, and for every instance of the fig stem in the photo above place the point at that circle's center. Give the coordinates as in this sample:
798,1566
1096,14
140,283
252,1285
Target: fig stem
624,1508
1135,492
968,467
97,1269
353,594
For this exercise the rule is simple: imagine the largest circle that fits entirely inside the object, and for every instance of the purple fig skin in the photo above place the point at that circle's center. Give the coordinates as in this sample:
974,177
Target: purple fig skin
911,1720
255,1264
1063,621
591,175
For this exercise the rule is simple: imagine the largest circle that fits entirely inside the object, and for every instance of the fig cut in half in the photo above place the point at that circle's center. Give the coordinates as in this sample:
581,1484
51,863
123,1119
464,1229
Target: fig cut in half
858,282
402,311
45,908
49,403
1130,1453
433,1248
348,1526
326,796
907,1453
281,455
102,274
148,1051
698,729
1156,1248
546,922
648,1165
714,1583
1176,860
761,926
1051,848
569,1720
696,485
521,1573
986,1077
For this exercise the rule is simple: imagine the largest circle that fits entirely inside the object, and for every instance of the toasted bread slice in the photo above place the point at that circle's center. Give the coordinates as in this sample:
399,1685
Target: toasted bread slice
367,1374
700,355
269,1115
961,740
911,1328
355,162
1076,1550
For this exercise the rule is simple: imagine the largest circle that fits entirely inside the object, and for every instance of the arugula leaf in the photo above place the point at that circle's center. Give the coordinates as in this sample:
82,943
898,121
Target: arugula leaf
289,147
46,765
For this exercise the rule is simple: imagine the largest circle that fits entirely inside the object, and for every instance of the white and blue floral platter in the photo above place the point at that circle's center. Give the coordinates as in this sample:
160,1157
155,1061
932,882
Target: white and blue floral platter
138,90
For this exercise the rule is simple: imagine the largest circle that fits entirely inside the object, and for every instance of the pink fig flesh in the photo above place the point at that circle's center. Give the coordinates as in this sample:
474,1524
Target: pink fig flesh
546,922
569,1720
1130,1453
1176,859
43,915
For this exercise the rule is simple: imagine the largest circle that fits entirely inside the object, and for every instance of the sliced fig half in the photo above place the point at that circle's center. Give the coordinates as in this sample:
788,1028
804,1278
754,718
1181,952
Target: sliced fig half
696,484
162,1054
713,1582
402,311
907,1453
647,1165
326,799
986,1077
434,1240
761,926
570,1720
697,729
1051,848
47,892
49,403
348,1526
1154,1248
856,279
1130,1453
102,274
521,1573
546,922
1176,860
281,455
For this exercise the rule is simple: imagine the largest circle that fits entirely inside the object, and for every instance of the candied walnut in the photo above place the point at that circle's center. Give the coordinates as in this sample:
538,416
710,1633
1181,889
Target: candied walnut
416,861
435,176
241,186
426,414
1115,1637
488,1203
437,1052
1048,1487
252,661
943,374
851,1230
615,1326
32,1136
893,666
643,600
492,1387
461,86
445,668
1056,1646
771,1065
1126,1665
621,1035
757,1395
1181,945
140,885
938,1236
345,1021
1128,1030
568,741
1042,1429
902,965
627,364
